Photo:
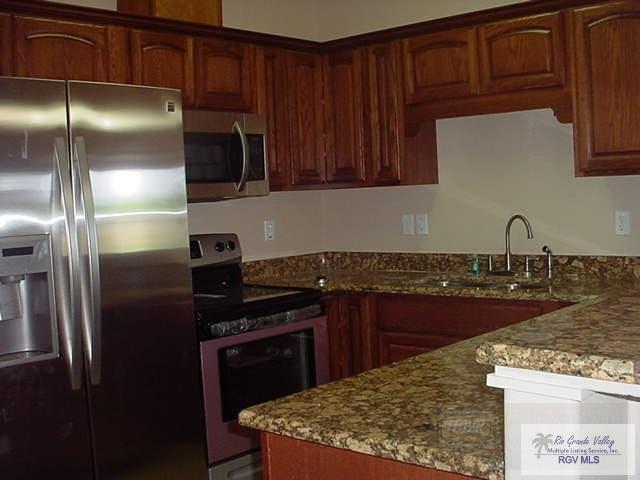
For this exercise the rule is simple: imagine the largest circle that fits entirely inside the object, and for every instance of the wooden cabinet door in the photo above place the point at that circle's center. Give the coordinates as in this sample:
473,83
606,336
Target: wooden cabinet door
344,120
522,53
349,334
383,114
306,118
407,325
61,50
225,75
6,45
393,347
163,60
441,65
607,88
274,104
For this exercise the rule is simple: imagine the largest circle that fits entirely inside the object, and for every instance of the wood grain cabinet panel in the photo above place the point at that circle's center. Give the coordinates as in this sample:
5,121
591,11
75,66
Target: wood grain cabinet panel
225,75
349,334
306,118
393,347
522,53
6,45
607,89
407,325
383,114
273,103
60,50
163,60
344,119
441,65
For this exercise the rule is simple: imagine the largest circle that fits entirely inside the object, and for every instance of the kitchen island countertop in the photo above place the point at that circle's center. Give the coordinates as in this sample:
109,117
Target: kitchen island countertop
434,410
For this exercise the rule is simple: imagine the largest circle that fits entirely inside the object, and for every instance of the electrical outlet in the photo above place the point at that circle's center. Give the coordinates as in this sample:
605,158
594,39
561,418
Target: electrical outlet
623,222
269,230
408,224
422,224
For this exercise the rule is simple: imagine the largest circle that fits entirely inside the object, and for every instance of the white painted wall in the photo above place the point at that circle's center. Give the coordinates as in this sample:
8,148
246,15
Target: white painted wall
492,167
341,18
105,4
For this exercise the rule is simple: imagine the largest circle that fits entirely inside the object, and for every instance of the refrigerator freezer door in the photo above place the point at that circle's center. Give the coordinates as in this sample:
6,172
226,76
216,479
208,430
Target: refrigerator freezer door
44,423
142,357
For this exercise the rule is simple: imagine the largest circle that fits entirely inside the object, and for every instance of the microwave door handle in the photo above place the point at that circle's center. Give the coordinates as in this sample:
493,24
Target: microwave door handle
65,270
90,272
245,157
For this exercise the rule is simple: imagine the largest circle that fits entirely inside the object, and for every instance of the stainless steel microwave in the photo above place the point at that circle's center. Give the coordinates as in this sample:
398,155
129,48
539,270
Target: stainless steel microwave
225,155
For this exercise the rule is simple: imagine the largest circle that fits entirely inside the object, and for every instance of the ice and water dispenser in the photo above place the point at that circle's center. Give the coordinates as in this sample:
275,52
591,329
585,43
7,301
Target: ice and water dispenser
28,330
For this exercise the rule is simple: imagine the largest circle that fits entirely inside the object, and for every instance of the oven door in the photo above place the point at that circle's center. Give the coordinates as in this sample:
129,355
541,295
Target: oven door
255,367
224,155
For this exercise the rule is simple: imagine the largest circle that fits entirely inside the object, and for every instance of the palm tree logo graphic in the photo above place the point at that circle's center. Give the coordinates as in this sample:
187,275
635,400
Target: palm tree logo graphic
542,441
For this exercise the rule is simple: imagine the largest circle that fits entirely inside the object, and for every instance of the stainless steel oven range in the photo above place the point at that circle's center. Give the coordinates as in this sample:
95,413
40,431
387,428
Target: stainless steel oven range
257,343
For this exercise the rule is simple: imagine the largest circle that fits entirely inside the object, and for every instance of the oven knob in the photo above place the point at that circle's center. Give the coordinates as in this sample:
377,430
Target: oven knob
218,330
219,247
231,245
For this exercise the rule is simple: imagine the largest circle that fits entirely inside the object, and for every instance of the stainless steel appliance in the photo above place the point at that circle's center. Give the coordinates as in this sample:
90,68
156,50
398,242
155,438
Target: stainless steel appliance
257,343
99,372
226,155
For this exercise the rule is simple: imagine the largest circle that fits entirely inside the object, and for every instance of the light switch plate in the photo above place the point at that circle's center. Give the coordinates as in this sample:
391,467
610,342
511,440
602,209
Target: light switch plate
269,230
408,224
623,222
422,224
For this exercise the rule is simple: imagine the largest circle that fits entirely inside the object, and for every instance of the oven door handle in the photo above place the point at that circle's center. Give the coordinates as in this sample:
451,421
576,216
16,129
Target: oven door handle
245,156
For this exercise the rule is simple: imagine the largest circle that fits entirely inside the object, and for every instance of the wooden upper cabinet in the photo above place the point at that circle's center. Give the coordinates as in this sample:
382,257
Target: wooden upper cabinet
383,113
306,118
225,75
441,65
344,120
273,103
60,50
607,88
163,60
197,11
522,53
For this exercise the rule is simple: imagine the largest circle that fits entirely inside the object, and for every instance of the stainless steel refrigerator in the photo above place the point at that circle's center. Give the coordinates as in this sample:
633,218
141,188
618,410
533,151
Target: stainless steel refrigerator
99,370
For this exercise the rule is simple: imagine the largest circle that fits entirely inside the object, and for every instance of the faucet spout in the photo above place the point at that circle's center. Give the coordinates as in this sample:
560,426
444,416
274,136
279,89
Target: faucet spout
507,238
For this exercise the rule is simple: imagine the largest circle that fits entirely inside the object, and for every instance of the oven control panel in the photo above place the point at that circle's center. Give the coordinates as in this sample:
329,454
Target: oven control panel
214,249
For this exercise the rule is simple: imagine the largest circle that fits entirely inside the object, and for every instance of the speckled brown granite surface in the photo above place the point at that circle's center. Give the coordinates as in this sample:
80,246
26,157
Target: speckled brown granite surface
569,289
598,339
592,266
433,410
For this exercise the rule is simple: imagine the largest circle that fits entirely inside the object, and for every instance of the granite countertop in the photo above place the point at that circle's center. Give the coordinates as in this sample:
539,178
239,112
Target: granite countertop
569,288
433,410
597,339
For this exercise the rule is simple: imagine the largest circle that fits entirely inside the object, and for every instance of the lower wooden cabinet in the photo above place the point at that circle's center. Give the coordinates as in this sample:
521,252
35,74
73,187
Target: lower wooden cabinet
407,325
349,334
286,458
369,330
6,45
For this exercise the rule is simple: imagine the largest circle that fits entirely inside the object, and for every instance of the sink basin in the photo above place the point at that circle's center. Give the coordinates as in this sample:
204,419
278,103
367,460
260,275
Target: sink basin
486,284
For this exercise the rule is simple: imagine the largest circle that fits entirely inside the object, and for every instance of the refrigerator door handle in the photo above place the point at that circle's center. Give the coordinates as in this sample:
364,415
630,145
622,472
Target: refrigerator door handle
245,157
90,267
65,272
